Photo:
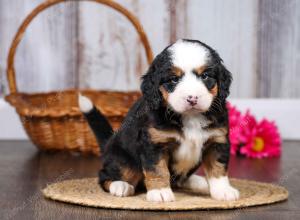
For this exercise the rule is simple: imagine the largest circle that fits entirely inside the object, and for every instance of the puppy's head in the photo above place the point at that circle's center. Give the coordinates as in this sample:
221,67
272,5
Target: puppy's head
188,76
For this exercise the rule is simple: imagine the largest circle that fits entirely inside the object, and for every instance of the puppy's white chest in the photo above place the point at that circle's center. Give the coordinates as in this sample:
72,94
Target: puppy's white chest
188,154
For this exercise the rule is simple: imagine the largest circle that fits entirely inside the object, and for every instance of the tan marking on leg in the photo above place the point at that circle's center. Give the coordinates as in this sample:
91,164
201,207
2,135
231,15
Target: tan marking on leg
212,167
183,166
106,185
131,176
163,136
159,177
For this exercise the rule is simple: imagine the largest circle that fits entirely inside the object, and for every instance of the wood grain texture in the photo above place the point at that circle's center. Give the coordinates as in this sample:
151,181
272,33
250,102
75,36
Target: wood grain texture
92,46
46,56
178,19
24,172
279,49
230,28
111,55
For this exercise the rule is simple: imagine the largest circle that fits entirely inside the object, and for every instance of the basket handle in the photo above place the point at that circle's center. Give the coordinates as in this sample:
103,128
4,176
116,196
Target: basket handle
11,76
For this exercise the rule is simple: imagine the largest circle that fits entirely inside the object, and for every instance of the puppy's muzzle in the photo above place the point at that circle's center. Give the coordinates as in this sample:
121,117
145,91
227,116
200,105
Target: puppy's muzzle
192,100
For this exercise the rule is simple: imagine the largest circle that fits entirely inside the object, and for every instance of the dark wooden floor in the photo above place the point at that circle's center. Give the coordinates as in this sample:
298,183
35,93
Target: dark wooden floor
24,172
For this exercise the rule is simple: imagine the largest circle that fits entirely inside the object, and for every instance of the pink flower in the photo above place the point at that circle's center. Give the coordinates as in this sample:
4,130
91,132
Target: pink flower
251,138
235,121
263,140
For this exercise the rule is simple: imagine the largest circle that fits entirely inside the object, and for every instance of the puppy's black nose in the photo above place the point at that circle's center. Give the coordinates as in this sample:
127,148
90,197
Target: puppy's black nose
192,100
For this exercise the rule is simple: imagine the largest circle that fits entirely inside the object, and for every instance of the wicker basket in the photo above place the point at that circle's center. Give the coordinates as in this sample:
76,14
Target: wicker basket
52,120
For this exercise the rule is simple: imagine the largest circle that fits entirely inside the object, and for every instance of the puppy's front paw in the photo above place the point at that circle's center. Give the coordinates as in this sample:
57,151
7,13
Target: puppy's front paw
220,189
160,195
121,189
225,193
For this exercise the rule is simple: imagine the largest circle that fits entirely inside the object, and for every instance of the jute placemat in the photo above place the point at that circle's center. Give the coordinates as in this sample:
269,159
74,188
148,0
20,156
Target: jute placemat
87,192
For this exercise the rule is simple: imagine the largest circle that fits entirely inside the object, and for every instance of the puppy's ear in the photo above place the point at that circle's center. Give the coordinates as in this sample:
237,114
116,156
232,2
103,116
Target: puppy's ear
150,86
224,81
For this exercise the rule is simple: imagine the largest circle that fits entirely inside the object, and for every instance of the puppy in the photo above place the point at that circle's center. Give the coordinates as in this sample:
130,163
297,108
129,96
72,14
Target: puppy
179,123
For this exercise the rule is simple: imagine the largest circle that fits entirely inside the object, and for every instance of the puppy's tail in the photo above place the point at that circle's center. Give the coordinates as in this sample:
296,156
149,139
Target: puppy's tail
97,121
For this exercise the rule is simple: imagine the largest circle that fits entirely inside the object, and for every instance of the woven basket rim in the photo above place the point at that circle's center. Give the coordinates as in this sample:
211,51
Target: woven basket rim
20,101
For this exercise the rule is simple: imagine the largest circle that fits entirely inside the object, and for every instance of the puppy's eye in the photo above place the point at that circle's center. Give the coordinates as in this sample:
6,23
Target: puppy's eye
174,80
204,76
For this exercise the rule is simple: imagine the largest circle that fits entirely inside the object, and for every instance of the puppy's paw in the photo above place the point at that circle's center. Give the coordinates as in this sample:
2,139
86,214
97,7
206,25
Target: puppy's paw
121,189
160,195
197,184
225,193
220,189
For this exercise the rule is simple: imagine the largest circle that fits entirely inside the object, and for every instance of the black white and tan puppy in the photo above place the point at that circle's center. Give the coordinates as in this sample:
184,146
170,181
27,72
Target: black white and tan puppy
179,123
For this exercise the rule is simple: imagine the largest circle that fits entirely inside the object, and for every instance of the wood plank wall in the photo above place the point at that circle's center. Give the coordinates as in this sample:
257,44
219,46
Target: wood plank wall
91,46
46,57
279,49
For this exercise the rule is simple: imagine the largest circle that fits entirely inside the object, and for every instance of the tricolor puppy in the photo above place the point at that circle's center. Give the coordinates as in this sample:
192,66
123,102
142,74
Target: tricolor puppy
178,124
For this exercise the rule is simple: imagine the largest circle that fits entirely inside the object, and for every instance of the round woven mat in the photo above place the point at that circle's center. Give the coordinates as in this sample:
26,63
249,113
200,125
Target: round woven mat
87,192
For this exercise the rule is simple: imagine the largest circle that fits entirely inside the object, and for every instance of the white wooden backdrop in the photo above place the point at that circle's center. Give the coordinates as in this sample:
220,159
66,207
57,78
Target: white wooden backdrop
86,45
90,45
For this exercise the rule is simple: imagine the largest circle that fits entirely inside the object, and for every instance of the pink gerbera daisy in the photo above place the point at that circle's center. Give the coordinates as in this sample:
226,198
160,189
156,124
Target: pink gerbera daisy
263,140
250,138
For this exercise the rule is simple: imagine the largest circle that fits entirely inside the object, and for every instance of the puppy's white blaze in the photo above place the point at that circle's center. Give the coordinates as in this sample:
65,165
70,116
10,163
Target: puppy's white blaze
160,195
85,104
190,85
188,55
121,189
196,184
220,189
